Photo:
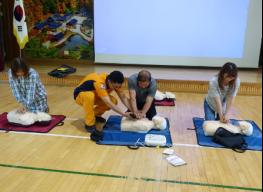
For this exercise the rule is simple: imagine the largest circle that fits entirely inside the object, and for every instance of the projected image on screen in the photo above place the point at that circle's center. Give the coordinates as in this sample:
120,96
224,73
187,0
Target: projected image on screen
169,29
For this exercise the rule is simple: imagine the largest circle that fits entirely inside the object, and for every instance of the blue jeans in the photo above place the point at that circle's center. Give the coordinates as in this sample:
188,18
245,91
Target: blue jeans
210,114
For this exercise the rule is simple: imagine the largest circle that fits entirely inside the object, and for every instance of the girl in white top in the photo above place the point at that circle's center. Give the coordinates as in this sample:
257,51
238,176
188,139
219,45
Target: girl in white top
223,89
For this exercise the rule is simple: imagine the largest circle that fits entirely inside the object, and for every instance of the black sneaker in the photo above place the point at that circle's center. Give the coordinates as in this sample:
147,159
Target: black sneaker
90,129
100,120
96,136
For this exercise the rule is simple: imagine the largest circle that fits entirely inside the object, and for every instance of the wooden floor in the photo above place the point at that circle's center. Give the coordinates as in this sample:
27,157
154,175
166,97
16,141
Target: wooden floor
65,160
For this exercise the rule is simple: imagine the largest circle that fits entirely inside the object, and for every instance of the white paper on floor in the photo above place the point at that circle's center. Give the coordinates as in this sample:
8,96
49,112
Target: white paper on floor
168,152
175,160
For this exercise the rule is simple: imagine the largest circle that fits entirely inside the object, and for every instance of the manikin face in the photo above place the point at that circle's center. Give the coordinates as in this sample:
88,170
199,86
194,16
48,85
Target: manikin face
144,84
20,73
228,79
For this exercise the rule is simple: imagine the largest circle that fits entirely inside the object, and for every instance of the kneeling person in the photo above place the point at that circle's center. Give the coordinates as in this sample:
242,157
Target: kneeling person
93,94
142,89
30,94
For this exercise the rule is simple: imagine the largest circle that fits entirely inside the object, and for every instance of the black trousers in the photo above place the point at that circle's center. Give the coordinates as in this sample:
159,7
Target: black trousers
151,112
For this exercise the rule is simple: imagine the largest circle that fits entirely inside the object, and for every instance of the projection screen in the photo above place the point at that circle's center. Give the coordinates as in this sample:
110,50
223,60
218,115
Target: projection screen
178,32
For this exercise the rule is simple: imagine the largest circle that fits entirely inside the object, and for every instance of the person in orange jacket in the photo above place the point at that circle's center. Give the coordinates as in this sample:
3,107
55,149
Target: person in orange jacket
93,95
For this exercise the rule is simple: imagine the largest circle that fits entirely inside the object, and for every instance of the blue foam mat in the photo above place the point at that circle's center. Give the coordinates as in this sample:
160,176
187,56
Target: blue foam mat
114,136
254,141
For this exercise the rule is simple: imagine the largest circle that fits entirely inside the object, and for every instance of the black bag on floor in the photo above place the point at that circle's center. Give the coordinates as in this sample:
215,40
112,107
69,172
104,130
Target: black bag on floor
230,140
62,71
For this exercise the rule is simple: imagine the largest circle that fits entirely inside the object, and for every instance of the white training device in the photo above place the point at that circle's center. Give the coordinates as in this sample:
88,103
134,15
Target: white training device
155,140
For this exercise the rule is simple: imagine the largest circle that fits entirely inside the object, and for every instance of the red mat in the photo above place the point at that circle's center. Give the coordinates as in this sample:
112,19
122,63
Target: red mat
57,120
165,102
